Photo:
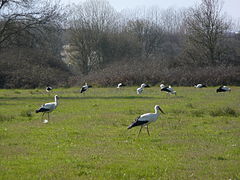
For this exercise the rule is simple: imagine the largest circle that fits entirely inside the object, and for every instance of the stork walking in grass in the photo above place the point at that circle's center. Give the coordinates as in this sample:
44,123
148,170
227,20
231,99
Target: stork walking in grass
120,85
168,90
48,107
200,86
85,88
223,89
140,89
146,119
48,89
145,85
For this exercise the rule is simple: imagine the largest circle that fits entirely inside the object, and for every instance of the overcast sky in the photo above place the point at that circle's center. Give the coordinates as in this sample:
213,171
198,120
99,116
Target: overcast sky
232,7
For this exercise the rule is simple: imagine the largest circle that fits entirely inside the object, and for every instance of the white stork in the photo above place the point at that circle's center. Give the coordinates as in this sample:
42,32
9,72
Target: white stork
169,90
120,85
49,88
146,119
200,86
223,89
145,85
140,89
85,88
48,107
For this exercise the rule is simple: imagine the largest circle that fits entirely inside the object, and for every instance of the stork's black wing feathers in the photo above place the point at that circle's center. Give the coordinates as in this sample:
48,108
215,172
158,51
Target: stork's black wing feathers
83,90
137,123
165,89
42,110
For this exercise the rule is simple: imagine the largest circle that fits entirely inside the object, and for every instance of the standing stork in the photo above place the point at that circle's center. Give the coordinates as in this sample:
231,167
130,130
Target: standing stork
48,107
48,89
146,119
169,90
140,89
223,89
200,86
85,88
145,85
120,85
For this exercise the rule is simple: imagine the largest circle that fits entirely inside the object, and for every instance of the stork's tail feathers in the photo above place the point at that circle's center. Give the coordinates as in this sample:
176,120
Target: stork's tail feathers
134,123
42,110
137,123
131,126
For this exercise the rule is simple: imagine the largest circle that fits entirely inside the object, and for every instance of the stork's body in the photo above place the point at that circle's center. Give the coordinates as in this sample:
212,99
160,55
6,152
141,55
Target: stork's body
140,89
200,86
85,88
146,119
49,88
120,85
145,85
223,89
169,90
48,107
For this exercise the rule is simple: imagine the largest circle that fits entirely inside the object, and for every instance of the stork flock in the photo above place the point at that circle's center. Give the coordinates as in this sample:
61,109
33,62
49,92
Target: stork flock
143,120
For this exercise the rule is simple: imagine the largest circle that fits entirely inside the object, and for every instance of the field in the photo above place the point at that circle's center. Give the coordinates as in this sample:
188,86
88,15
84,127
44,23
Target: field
87,136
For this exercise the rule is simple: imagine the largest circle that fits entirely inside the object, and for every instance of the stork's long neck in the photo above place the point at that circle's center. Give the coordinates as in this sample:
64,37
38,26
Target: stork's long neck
156,111
56,101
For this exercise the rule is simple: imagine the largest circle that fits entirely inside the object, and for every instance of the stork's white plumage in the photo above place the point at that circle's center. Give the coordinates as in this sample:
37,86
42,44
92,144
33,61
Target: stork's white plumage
200,86
145,85
169,90
162,86
223,89
85,88
146,119
120,85
48,107
140,89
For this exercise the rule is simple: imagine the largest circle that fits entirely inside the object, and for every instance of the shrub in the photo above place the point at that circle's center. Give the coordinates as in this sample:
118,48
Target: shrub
31,70
135,72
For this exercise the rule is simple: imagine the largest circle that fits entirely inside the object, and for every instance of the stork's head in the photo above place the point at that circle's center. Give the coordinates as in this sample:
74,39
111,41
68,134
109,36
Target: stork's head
157,107
142,85
162,86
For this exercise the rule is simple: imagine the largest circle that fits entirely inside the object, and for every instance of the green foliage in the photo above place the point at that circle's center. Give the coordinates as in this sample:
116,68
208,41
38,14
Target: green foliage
87,136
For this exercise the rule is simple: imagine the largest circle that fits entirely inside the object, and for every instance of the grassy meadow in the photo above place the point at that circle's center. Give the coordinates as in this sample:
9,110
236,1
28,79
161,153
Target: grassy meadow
87,136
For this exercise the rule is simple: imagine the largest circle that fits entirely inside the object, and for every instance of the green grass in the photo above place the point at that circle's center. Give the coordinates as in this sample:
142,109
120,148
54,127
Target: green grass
87,136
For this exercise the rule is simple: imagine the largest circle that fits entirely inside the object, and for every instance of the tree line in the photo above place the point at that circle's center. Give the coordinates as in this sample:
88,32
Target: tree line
43,43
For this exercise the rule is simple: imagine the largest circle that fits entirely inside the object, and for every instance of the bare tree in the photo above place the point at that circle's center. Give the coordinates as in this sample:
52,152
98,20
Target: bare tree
28,16
205,28
90,22
150,36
